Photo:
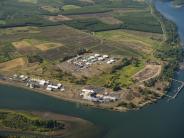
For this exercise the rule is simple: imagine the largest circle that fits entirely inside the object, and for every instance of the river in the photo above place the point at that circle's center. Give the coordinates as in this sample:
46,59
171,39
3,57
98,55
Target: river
161,120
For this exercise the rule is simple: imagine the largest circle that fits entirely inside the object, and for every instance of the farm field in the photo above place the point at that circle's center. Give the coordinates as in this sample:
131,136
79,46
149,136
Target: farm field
66,28
33,44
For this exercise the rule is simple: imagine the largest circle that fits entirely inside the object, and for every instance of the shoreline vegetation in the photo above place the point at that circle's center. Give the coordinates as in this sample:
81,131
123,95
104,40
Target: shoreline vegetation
134,94
29,124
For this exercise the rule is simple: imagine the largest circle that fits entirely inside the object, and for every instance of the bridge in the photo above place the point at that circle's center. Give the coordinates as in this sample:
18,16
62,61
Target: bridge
177,91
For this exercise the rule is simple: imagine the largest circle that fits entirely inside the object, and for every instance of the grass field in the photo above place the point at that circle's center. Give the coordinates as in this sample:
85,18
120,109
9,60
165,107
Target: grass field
132,42
29,1
125,76
31,45
70,7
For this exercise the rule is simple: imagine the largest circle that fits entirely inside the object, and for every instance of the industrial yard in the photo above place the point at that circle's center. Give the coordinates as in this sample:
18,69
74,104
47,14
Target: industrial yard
35,82
88,93
89,65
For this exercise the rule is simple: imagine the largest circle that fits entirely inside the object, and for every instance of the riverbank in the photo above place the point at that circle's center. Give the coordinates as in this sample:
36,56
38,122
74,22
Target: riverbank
73,126
58,96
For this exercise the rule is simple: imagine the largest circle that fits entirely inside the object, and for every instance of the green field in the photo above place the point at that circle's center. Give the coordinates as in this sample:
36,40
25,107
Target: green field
70,7
140,21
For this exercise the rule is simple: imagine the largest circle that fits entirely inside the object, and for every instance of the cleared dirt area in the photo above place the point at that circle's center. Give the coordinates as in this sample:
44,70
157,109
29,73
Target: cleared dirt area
149,72
94,69
47,46
58,18
12,64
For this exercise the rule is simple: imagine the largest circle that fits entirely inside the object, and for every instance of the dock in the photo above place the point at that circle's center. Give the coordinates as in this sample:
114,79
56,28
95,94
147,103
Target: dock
177,91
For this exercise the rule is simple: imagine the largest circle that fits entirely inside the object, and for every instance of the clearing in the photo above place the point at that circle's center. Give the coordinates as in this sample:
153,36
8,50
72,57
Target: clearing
12,64
58,18
33,45
149,72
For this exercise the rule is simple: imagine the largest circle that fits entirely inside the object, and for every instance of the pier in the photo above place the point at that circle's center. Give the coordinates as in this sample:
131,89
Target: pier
177,91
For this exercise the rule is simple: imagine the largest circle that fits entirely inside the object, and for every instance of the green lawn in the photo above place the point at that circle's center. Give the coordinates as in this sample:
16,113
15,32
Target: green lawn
70,7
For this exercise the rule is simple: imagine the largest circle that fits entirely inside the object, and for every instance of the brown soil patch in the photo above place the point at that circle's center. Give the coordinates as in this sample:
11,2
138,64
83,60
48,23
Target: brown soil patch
24,47
58,18
12,64
149,72
47,46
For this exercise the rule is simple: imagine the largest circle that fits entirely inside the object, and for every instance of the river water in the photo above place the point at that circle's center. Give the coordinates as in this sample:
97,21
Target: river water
160,120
